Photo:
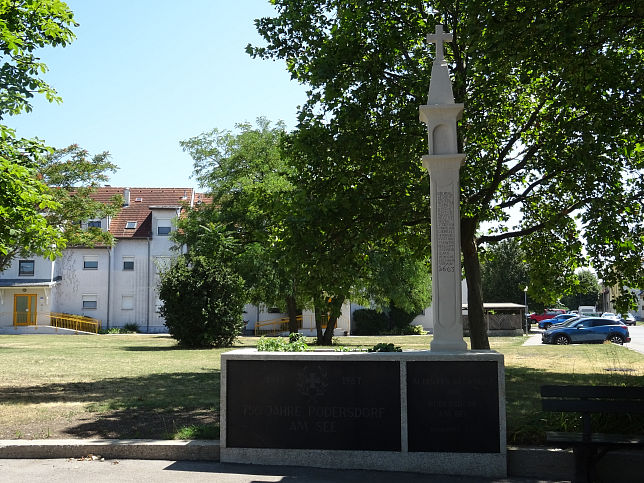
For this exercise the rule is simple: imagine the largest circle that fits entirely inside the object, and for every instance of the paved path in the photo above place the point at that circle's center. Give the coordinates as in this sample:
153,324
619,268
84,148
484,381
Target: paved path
533,339
162,471
637,338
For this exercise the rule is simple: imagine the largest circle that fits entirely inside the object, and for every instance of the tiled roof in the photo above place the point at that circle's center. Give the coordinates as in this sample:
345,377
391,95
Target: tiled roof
142,201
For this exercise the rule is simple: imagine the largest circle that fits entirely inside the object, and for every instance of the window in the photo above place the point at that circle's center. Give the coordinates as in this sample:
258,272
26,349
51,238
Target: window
599,322
128,263
164,227
90,262
127,302
130,225
94,224
90,302
26,267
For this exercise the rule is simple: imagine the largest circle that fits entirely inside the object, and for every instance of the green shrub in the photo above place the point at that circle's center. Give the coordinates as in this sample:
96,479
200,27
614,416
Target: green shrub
296,343
203,302
131,328
369,322
416,330
400,319
385,347
271,344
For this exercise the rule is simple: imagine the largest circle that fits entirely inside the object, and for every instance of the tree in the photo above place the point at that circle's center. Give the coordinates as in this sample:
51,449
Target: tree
23,198
203,302
246,175
585,292
259,196
551,129
26,26
72,176
66,178
504,273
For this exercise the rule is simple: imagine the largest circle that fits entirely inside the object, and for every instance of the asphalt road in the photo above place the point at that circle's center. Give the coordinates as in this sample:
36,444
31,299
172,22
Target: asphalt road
161,471
637,338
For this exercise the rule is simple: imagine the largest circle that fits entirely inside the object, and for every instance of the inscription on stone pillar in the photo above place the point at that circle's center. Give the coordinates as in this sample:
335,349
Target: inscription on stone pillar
446,235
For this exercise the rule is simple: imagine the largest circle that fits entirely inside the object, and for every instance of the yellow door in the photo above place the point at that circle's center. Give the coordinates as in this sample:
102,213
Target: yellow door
24,309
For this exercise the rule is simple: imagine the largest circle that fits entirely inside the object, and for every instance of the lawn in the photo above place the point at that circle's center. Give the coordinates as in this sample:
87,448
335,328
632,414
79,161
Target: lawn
143,386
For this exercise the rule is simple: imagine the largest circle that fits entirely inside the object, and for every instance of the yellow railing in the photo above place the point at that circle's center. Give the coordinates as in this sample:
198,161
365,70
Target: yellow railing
74,322
281,325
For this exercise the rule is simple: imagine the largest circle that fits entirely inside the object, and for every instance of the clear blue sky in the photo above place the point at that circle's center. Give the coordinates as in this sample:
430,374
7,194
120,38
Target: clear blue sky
143,75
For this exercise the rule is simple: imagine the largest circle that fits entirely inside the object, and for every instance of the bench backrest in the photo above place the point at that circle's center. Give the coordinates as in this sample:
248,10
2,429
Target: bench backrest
593,399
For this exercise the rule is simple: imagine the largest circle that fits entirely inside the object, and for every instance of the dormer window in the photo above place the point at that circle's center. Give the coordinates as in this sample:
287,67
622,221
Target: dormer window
130,225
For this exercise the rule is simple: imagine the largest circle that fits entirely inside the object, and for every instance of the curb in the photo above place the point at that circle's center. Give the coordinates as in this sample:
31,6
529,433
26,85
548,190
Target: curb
523,462
137,449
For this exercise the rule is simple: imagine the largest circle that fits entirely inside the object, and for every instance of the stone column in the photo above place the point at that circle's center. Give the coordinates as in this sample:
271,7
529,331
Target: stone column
443,163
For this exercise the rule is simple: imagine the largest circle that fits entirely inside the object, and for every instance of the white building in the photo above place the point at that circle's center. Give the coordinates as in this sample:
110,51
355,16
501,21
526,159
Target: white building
116,285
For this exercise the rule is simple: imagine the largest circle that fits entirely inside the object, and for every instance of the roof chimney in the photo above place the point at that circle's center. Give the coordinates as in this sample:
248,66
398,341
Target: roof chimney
126,195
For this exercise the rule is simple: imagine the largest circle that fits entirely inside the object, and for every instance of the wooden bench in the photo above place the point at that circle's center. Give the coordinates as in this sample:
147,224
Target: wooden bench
588,446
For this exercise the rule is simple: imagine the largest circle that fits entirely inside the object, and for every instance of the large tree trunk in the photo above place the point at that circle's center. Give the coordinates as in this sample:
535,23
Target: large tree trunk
332,313
291,308
476,316
318,324
327,339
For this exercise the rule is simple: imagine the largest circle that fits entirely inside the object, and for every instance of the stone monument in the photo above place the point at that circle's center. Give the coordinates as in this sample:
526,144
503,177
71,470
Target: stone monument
443,163
440,411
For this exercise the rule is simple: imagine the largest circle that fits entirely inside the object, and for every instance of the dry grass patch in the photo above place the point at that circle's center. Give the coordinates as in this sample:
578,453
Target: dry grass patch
144,386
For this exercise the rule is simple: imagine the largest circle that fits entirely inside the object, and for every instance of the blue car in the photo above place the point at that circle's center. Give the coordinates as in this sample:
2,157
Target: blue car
587,330
547,323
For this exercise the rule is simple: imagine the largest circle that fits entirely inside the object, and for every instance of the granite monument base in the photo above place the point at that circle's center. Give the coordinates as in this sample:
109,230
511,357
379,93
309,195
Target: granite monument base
428,412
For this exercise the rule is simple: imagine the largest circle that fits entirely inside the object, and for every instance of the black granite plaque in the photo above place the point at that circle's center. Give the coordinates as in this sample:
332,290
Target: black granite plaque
344,405
453,406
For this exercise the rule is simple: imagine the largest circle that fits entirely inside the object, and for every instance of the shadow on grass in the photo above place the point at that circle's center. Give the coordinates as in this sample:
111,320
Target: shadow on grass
150,424
151,406
139,348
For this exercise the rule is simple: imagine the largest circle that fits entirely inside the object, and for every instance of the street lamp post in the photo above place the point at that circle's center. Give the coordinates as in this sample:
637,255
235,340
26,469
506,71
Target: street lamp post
525,303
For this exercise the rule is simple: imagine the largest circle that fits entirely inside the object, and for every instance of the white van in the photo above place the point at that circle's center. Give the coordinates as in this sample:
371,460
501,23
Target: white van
587,311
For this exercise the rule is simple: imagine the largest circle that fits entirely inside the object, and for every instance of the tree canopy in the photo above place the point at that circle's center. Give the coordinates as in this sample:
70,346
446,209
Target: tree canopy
27,26
264,199
504,273
584,292
551,129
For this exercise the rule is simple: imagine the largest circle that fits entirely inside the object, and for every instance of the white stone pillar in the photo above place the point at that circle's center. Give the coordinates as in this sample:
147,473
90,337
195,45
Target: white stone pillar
443,163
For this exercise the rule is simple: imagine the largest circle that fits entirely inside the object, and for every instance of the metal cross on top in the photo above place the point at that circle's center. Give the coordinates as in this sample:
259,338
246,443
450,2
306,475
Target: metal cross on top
438,38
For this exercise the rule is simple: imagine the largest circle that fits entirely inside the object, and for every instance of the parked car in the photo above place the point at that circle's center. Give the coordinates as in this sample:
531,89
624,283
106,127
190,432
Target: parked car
628,319
558,319
548,314
587,330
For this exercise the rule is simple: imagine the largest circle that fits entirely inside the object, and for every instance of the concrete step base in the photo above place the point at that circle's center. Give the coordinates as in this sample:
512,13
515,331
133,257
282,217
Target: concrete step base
523,462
